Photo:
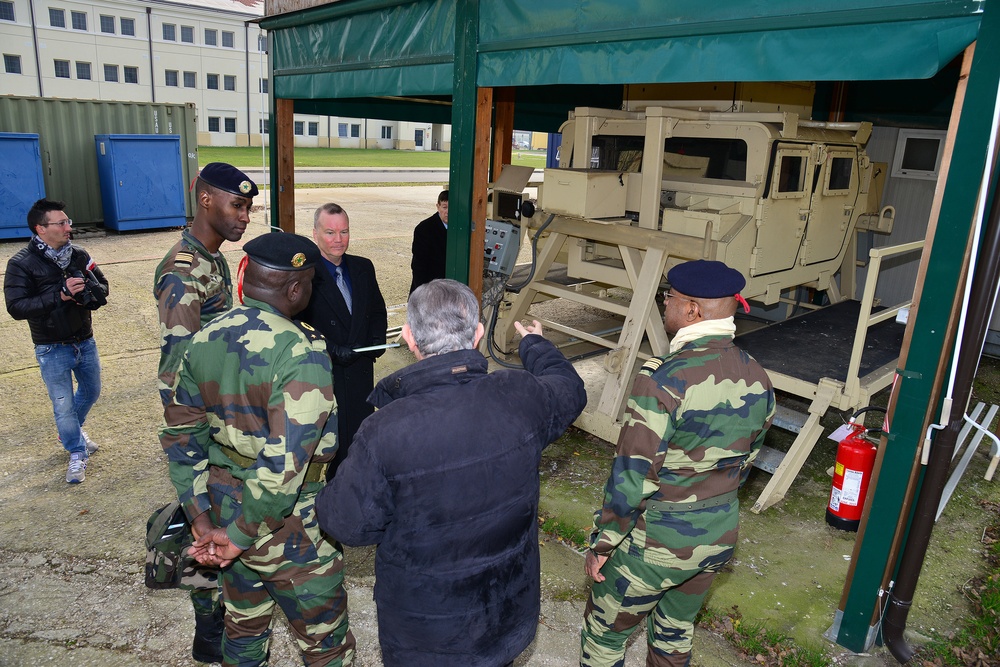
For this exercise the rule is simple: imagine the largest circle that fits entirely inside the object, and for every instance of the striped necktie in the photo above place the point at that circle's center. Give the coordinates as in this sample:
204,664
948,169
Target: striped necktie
344,289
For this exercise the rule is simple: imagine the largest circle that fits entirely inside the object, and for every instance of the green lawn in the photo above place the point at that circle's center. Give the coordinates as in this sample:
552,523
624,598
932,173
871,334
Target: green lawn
350,157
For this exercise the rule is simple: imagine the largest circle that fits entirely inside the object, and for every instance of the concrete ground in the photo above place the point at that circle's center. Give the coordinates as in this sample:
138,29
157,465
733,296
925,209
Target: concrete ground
71,557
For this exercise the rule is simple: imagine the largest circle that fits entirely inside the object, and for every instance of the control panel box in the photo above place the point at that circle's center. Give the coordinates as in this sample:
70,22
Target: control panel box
500,246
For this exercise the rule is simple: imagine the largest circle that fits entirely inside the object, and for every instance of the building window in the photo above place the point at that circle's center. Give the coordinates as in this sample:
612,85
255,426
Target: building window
170,77
111,73
6,11
387,132
131,74
228,39
264,86
11,64
108,24
79,20
341,129
169,32
262,43
212,81
313,129
355,130
62,68
187,34
211,37
265,125
229,82
83,71
213,123
57,17
190,79
128,27
230,124
299,128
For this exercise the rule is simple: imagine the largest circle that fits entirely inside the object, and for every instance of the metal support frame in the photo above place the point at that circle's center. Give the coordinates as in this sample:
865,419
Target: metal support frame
853,393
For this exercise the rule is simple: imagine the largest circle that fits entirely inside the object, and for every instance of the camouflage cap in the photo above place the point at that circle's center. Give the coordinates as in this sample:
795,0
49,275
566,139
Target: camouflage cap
283,252
706,279
229,179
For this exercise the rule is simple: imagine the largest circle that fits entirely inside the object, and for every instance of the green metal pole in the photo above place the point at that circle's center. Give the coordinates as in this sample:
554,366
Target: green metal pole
272,135
941,290
463,140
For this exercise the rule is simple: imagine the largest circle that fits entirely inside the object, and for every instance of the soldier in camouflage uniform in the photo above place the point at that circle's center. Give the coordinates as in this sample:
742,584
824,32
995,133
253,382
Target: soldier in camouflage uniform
247,446
693,425
192,287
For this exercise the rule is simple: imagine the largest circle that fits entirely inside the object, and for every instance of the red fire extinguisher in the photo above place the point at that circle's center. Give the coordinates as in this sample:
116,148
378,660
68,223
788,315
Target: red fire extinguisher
852,474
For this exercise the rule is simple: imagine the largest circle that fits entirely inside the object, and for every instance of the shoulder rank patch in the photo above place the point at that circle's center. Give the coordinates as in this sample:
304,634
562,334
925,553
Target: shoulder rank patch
652,364
308,329
183,258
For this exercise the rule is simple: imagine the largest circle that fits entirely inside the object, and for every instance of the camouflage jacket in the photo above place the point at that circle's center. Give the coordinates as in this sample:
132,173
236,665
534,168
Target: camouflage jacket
694,422
192,287
258,383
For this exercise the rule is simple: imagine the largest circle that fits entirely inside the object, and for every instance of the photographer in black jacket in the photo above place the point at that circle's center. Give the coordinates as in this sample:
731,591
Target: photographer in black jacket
55,285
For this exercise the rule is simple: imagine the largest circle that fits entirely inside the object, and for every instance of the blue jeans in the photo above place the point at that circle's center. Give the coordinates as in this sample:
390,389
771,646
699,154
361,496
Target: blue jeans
59,362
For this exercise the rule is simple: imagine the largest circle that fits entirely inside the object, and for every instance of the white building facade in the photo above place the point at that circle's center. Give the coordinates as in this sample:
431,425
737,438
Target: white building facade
205,52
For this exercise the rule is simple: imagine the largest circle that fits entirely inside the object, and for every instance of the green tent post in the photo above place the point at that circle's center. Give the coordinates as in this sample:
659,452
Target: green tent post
940,291
463,140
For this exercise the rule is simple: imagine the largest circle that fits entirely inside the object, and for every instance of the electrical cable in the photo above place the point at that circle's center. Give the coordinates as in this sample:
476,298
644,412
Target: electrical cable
493,295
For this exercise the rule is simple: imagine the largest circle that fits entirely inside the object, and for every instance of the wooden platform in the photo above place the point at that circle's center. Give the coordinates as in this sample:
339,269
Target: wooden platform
818,344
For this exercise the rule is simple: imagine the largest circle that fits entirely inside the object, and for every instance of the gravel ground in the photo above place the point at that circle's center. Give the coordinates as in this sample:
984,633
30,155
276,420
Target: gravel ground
71,556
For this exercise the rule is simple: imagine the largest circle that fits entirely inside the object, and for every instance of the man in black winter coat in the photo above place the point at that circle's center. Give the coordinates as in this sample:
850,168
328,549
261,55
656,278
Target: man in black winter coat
444,478
430,245
55,285
347,307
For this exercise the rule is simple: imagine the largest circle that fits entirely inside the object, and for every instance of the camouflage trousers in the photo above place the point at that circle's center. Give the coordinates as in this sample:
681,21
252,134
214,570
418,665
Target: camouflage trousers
295,568
668,598
204,586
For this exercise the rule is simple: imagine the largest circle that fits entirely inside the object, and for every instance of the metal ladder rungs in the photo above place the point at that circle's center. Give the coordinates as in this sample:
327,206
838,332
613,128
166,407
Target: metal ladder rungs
788,419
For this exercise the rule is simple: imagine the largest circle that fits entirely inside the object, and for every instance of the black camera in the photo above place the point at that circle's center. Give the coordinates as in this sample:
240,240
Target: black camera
92,295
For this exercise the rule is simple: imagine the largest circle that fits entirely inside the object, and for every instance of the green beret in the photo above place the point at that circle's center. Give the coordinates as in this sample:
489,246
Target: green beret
229,179
283,252
706,279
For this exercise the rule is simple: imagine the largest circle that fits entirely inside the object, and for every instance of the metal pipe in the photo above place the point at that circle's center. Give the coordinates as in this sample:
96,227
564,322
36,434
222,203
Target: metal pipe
149,39
34,42
915,550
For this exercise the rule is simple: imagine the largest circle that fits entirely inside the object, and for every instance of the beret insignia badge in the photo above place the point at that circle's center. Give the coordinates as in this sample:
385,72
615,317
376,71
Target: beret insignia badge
298,259
245,187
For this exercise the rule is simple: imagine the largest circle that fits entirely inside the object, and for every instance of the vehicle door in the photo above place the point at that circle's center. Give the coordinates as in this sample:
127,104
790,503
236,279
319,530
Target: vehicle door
784,210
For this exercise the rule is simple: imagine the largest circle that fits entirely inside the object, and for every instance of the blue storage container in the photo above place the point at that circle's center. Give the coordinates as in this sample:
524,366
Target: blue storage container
142,183
21,182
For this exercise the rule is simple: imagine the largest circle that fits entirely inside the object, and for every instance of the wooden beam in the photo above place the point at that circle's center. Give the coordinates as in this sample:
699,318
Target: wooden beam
285,178
480,177
503,128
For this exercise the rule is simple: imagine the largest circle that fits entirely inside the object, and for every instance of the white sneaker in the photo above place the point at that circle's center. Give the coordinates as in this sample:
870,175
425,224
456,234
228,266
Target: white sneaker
88,443
76,472
91,445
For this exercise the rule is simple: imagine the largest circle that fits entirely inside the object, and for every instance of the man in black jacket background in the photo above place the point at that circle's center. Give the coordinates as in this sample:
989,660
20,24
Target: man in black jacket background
55,285
348,309
430,245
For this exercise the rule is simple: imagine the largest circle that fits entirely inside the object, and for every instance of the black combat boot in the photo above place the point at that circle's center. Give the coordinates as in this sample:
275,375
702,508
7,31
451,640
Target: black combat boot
207,645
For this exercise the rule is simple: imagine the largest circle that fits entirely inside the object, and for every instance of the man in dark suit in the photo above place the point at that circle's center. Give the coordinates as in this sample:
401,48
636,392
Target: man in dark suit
348,309
430,245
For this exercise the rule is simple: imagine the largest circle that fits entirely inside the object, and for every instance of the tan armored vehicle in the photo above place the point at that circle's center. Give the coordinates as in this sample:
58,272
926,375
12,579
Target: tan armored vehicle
777,198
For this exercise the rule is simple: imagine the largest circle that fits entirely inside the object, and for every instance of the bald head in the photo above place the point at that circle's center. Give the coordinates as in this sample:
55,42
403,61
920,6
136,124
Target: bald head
288,291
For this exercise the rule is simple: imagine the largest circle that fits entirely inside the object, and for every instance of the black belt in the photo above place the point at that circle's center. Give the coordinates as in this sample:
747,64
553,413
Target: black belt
316,472
663,506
